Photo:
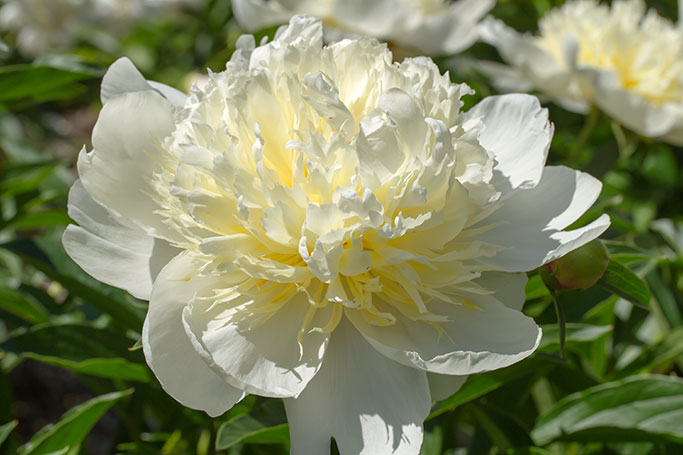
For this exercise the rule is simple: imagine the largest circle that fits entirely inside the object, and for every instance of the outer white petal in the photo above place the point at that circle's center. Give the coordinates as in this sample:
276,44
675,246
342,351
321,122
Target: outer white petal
254,15
170,354
531,220
517,131
109,250
127,142
123,77
371,405
485,338
265,359
442,386
508,287
175,96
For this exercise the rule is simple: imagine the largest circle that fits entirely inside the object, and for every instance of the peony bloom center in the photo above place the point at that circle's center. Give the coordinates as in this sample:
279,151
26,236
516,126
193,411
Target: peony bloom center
346,182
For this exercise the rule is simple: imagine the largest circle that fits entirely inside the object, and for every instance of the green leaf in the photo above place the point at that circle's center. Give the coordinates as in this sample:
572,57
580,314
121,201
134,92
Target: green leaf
29,83
82,348
504,427
640,408
105,368
576,333
432,444
626,284
41,219
535,288
22,306
497,435
666,299
265,425
666,352
626,254
278,434
6,430
528,451
24,177
671,232
137,448
480,384
124,316
632,448
73,427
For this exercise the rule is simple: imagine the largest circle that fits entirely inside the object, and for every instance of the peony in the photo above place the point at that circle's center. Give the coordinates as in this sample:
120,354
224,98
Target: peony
43,25
431,27
623,60
323,225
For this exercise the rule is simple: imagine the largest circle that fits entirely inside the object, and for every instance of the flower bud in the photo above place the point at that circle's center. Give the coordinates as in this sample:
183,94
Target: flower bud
579,269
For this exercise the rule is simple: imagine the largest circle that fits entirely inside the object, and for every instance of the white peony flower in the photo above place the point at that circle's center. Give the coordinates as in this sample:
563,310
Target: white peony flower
44,25
432,27
625,61
326,226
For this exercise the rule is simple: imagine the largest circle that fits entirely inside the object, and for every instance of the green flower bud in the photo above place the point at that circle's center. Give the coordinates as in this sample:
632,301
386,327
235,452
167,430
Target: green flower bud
579,269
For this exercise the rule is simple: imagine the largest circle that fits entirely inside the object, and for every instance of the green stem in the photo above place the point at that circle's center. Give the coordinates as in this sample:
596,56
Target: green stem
589,125
214,433
560,321
626,145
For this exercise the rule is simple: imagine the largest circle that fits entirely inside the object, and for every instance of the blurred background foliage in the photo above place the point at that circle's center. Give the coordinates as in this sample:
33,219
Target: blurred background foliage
73,378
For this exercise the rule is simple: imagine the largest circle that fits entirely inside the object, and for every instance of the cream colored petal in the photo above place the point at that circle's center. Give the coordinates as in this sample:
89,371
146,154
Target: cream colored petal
530,222
483,337
264,359
371,405
123,77
508,287
442,386
517,131
169,353
127,140
110,250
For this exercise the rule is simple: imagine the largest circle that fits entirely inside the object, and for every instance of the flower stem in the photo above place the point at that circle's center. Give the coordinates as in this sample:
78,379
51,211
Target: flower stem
589,125
561,322
212,439
626,145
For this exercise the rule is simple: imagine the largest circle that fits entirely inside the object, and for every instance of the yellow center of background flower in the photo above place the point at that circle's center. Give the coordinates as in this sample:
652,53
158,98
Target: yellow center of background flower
645,51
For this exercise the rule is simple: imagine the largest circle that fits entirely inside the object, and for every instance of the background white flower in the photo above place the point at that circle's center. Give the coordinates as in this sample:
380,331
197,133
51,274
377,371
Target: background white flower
626,61
326,226
431,27
46,25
